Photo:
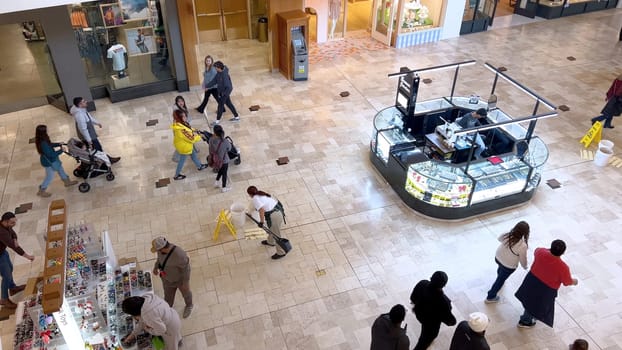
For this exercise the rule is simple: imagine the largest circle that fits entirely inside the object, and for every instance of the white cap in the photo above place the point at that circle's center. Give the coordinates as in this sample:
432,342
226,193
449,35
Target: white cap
478,321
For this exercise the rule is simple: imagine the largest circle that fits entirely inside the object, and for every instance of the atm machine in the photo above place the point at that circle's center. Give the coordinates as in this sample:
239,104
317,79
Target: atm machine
300,56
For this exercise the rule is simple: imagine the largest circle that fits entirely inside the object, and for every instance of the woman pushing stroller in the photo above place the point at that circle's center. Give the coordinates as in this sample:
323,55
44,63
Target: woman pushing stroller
184,138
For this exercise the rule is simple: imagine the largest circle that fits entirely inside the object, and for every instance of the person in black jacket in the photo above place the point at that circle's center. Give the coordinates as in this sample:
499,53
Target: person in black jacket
387,331
223,80
613,108
431,308
469,335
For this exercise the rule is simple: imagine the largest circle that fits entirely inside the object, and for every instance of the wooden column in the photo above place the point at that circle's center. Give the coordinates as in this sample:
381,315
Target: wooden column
187,26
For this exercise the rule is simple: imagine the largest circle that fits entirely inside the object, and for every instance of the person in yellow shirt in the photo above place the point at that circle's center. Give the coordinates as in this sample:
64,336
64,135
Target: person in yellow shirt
184,138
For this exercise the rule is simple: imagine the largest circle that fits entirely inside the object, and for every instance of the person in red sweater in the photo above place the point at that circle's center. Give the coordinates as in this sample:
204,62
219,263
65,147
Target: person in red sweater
8,239
538,291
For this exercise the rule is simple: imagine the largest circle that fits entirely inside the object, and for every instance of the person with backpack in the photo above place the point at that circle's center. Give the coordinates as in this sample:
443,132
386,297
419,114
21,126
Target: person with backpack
387,331
272,214
219,148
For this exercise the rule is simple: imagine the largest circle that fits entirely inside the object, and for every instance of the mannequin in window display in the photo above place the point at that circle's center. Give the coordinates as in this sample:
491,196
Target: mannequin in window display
118,54
334,10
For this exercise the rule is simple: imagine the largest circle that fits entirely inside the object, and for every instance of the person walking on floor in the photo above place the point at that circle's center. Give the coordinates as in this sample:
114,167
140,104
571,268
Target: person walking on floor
49,160
155,317
173,267
271,213
180,105
538,291
219,148
470,335
8,239
85,125
432,307
387,331
184,138
613,107
225,87
209,85
511,251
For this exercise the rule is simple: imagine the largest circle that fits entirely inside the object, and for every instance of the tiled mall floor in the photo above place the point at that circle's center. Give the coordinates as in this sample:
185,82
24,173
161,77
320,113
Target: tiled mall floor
342,217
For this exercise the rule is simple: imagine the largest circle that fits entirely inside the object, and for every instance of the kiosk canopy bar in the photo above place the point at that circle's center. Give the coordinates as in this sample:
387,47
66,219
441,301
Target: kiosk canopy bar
520,86
507,122
444,66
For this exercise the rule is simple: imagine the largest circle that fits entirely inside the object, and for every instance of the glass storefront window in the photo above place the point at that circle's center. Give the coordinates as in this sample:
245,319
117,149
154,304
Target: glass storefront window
122,44
420,15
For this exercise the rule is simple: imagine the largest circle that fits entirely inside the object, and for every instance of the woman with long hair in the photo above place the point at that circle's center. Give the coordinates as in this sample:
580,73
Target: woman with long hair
511,251
271,213
184,138
219,147
49,160
209,84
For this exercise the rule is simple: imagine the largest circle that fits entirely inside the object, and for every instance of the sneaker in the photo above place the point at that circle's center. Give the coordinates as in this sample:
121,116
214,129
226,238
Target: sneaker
526,325
179,177
217,184
226,189
114,159
7,304
215,122
493,300
43,193
187,311
277,256
15,290
265,242
235,119
203,166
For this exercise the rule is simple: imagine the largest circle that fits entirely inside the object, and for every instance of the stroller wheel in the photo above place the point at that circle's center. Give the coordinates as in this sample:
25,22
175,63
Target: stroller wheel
84,187
110,176
77,173
237,161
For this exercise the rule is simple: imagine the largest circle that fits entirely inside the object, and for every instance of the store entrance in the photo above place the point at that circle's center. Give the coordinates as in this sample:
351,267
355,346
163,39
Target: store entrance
222,20
27,75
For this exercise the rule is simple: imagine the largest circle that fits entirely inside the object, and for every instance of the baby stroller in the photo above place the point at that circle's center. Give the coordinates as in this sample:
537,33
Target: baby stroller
91,162
234,154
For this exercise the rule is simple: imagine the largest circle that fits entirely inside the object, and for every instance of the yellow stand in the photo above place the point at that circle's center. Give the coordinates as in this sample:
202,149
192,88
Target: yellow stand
224,218
593,135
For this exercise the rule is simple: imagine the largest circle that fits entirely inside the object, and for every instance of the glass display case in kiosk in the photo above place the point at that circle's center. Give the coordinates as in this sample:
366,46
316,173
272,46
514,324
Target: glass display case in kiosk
291,25
300,57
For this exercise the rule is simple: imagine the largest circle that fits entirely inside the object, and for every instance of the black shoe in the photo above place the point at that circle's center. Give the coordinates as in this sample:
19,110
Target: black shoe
265,242
526,325
277,256
114,159
203,166
199,110
608,126
179,177
594,121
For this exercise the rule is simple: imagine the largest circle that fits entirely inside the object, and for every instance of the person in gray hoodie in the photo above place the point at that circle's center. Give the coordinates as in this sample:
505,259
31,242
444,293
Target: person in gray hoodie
225,87
155,317
387,331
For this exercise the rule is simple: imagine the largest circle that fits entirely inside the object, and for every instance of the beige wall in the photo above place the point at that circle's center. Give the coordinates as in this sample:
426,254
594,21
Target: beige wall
187,26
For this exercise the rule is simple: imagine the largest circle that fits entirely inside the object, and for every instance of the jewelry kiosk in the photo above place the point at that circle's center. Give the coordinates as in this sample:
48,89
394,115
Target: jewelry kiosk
429,160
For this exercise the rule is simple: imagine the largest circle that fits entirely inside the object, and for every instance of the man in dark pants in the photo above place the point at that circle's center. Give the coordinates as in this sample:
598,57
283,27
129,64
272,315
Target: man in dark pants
8,239
431,308
85,124
225,87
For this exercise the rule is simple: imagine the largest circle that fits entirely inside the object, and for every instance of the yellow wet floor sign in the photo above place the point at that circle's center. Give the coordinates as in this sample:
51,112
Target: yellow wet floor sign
224,217
592,135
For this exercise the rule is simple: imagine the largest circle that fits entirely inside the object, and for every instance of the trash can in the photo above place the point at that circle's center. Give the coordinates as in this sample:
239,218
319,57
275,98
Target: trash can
262,29
238,217
604,153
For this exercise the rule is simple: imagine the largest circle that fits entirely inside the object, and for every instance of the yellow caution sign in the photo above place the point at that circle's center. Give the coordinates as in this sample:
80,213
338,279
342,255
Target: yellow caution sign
593,135
224,218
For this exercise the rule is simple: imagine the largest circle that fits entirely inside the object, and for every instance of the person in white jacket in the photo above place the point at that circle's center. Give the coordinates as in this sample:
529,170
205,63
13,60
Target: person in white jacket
511,251
155,317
